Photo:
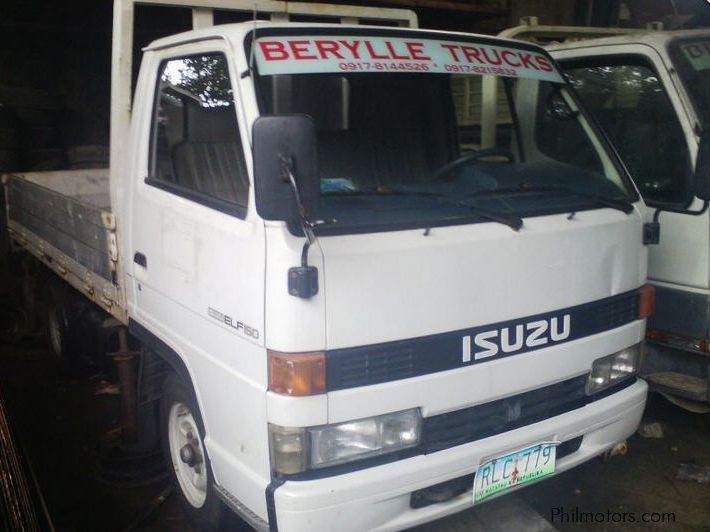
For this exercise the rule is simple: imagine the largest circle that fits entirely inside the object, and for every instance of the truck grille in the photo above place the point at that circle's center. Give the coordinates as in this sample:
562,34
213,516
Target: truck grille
372,364
481,421
617,311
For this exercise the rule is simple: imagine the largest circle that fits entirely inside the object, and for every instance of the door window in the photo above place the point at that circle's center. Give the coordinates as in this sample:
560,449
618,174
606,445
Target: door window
630,102
196,150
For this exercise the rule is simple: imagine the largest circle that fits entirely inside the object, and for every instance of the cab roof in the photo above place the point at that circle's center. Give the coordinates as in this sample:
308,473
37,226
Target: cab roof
655,39
236,32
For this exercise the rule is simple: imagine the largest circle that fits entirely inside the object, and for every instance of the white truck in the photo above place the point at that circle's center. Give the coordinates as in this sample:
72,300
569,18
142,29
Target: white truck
650,91
368,319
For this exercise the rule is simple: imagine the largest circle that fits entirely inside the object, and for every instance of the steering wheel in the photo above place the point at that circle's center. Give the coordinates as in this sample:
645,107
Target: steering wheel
471,156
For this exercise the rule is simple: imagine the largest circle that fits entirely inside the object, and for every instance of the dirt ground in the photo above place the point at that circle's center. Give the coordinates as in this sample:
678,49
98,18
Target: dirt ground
59,421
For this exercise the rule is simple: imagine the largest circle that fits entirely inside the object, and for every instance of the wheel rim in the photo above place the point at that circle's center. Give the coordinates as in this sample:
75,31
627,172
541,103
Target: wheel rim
55,333
183,435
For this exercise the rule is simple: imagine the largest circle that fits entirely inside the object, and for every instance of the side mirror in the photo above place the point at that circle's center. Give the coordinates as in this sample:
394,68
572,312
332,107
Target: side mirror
701,183
279,138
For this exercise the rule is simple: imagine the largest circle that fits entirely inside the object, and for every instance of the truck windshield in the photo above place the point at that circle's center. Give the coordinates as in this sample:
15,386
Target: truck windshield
692,60
419,132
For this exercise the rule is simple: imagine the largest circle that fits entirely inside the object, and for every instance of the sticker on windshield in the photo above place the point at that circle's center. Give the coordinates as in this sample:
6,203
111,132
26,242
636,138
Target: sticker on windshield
698,54
330,54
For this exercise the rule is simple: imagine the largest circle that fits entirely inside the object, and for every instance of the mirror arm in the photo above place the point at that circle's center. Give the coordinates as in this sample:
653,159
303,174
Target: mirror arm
702,210
652,230
303,281
306,225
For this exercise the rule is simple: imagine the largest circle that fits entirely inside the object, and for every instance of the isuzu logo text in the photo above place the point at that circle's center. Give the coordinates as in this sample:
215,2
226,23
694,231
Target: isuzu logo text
509,340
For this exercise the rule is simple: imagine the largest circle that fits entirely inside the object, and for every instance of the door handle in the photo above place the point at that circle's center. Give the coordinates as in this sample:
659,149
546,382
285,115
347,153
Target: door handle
140,259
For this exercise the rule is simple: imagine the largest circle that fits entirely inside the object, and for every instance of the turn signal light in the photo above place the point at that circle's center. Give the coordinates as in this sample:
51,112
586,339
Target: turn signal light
647,300
296,373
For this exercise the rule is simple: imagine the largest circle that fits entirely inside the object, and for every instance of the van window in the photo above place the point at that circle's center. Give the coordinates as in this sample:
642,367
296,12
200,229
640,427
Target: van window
631,104
196,150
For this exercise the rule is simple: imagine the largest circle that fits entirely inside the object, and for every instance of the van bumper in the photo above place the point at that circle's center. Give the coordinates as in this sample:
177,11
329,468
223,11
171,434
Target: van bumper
378,498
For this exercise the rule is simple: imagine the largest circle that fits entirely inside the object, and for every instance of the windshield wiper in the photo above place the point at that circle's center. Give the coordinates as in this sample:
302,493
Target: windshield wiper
388,192
512,221
619,204
624,206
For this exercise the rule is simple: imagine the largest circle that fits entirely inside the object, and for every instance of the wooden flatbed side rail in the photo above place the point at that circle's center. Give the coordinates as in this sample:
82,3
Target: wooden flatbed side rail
35,216
100,291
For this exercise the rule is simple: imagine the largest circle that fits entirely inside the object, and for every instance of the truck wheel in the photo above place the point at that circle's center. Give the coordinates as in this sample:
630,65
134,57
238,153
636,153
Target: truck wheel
182,435
62,333
56,331
61,330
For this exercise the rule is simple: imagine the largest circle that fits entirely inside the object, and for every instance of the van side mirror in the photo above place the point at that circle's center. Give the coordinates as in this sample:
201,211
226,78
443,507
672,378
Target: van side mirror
701,184
278,139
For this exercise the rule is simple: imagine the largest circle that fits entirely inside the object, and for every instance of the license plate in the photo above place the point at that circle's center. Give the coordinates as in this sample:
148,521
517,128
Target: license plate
514,469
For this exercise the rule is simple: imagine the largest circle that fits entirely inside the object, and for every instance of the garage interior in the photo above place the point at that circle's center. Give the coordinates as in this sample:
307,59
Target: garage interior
54,114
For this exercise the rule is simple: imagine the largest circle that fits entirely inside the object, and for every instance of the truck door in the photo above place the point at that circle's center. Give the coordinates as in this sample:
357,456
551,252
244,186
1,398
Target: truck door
629,91
196,250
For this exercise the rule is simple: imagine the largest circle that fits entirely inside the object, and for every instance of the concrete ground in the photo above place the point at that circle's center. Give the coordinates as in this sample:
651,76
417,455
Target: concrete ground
59,420
644,480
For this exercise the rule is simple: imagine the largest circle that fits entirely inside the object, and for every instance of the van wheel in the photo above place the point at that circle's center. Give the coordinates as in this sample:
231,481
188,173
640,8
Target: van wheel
182,435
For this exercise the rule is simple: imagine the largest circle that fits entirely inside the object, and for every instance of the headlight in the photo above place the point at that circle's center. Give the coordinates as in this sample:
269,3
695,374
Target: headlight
296,449
612,369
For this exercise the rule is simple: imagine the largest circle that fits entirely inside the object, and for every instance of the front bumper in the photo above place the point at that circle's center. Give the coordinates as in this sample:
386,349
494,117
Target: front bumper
378,498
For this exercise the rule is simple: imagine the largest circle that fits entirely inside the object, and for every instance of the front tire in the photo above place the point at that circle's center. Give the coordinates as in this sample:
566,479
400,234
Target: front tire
182,438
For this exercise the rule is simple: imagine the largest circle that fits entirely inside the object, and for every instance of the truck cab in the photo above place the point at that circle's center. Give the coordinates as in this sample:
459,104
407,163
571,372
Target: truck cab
461,298
648,90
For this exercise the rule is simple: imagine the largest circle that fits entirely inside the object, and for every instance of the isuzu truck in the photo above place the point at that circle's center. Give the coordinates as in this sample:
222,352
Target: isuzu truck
366,319
649,90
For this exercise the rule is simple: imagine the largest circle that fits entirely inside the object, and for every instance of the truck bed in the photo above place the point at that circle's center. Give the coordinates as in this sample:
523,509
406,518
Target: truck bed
64,218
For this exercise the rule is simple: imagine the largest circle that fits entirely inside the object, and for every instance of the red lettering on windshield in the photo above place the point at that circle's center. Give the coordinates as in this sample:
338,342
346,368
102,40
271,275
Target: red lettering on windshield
544,64
273,50
300,50
328,47
372,52
472,54
496,60
353,46
507,59
415,50
393,52
452,50
526,60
